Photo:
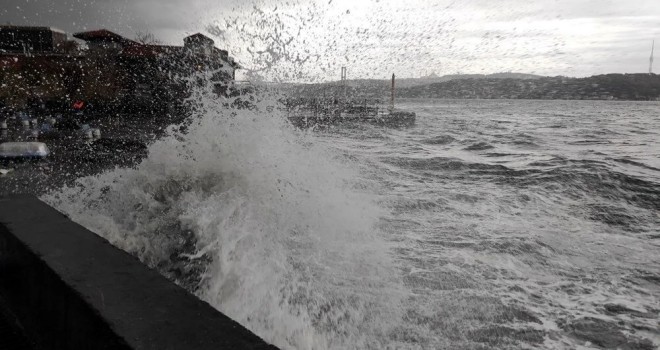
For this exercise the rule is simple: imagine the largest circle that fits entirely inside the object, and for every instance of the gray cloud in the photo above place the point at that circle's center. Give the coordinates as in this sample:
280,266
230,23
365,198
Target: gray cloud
560,37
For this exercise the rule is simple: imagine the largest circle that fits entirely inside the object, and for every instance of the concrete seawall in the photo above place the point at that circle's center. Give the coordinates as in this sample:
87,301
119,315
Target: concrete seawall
68,288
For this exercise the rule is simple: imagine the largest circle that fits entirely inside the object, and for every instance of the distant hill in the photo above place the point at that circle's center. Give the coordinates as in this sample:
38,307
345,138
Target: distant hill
494,86
599,87
377,88
407,82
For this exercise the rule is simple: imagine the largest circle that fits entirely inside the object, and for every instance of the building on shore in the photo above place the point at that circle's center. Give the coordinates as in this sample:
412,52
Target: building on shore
41,68
32,40
36,64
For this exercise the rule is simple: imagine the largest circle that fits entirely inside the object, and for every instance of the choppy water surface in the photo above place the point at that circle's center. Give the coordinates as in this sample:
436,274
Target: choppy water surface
489,224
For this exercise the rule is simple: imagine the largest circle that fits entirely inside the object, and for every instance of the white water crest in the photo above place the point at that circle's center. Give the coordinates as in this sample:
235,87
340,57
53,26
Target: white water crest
274,231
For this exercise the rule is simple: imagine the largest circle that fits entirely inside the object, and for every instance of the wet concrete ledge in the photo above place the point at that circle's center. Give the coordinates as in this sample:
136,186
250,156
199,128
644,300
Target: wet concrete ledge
71,289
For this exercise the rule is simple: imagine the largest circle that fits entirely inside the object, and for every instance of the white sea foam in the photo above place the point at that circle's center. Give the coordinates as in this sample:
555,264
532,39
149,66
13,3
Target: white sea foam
285,238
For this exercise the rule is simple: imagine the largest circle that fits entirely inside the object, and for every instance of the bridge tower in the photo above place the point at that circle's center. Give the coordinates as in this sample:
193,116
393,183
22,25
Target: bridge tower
343,82
651,59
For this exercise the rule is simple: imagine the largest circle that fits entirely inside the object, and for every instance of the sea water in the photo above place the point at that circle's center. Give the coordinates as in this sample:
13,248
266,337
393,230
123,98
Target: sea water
487,224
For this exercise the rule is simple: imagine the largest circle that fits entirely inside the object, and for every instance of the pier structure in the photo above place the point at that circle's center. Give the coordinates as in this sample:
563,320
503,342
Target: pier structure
311,111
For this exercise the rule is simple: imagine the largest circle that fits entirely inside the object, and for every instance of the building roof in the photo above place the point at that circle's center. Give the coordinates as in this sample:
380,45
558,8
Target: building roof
103,35
11,26
31,28
200,38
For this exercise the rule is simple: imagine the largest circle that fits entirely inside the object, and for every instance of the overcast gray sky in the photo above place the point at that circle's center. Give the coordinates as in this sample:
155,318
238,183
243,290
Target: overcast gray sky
299,39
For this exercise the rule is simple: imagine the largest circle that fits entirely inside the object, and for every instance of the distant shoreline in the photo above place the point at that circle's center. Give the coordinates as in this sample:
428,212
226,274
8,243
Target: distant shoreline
616,87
